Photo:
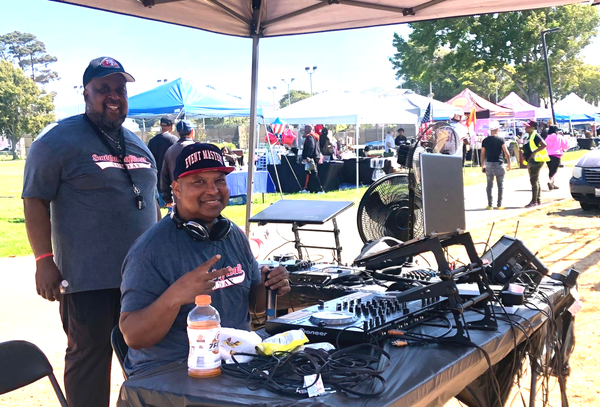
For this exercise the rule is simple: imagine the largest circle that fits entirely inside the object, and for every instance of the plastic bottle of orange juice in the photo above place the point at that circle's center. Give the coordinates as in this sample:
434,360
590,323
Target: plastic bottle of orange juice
203,329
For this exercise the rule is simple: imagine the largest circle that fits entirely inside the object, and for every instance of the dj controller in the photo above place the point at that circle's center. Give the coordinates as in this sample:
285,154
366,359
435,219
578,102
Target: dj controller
305,272
356,318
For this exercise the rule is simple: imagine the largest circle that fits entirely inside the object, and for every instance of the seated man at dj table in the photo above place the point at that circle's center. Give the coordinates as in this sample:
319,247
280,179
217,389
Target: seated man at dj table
192,252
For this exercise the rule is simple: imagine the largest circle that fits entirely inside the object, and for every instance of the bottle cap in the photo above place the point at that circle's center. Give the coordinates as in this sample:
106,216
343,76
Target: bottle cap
203,300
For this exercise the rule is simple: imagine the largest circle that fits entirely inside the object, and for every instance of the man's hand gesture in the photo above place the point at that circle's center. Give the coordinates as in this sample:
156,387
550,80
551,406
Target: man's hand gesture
198,281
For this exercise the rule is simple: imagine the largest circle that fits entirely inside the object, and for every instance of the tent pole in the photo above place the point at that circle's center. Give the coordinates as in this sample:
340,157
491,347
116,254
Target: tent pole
253,109
356,151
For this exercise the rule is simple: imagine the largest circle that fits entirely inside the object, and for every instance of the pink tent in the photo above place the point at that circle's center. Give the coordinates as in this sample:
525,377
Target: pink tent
524,110
467,100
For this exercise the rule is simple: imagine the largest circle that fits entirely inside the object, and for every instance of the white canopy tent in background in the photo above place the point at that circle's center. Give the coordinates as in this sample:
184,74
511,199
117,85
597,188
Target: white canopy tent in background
261,18
573,104
346,107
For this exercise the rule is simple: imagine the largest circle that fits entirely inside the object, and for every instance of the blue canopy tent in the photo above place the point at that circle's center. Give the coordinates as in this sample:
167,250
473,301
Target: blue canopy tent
182,96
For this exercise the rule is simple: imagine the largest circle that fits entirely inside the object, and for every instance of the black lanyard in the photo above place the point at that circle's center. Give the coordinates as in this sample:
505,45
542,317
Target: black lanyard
139,199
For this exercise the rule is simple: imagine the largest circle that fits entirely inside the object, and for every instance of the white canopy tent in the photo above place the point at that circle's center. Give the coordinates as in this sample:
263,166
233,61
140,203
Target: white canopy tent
345,107
261,18
574,104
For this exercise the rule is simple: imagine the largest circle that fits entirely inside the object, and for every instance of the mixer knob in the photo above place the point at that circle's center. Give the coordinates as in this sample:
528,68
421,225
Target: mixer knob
358,300
423,302
321,304
338,307
366,326
351,309
358,312
383,319
377,321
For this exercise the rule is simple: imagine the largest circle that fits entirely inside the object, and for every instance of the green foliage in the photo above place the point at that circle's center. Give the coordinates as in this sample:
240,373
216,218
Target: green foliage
504,49
295,96
13,237
24,108
30,54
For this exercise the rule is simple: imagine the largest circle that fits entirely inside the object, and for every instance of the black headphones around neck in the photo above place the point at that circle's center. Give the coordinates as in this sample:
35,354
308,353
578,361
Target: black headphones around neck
198,230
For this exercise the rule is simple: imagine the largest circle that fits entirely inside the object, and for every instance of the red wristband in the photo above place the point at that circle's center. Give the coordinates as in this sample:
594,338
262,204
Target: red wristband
43,256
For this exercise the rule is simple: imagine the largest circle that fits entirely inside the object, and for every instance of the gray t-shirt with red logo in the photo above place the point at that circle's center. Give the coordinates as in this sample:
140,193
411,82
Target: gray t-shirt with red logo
159,258
93,210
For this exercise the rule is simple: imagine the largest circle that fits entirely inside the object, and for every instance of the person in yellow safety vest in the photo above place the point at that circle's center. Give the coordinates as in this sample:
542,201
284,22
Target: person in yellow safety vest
536,155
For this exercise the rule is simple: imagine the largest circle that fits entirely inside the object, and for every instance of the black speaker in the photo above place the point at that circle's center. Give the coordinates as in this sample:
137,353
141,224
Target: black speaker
509,259
198,230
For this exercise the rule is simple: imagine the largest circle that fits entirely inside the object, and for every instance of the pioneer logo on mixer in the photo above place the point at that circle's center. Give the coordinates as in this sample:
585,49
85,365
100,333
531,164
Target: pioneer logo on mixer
318,333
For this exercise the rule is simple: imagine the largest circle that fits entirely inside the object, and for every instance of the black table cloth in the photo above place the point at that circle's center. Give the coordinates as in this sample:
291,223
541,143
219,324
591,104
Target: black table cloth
330,175
420,376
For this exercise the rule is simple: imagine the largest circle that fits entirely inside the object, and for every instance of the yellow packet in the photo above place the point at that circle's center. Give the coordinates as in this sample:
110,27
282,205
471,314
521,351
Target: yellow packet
284,342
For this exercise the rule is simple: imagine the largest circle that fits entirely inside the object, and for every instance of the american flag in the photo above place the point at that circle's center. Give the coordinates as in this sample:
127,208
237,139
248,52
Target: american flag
426,120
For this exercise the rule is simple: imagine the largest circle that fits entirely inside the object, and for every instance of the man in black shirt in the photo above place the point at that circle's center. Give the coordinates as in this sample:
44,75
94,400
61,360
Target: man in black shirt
159,145
400,138
492,165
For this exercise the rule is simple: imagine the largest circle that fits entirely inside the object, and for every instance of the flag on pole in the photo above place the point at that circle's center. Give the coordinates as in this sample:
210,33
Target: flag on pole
426,120
472,118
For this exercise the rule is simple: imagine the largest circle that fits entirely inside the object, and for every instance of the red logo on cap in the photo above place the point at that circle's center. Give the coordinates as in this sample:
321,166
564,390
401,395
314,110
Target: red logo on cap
109,63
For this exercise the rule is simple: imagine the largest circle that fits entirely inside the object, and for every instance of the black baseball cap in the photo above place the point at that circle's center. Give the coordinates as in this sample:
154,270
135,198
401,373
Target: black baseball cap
104,66
199,157
168,120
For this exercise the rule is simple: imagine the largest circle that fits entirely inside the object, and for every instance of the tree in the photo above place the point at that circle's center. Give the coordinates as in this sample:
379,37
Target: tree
30,54
295,96
447,52
24,108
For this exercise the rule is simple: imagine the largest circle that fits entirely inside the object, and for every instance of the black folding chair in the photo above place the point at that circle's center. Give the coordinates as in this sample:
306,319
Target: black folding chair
119,346
22,363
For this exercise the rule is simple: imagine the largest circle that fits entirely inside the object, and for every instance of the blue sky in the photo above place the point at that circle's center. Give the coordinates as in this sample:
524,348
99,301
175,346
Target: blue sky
352,59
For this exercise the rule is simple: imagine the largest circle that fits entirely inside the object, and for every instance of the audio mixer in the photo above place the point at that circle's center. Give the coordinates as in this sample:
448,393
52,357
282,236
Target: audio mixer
356,318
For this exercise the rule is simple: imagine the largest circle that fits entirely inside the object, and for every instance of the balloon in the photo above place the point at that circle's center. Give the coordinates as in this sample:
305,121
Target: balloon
288,137
278,127
271,138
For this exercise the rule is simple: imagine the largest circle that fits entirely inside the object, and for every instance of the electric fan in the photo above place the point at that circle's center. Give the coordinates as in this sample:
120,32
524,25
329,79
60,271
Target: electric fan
393,205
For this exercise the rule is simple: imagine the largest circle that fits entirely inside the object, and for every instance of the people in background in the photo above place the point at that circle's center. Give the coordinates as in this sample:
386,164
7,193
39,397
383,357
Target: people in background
400,138
311,155
231,159
535,154
159,145
185,129
495,161
556,145
389,144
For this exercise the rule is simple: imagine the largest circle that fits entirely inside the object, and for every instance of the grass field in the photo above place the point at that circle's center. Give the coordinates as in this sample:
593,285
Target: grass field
13,238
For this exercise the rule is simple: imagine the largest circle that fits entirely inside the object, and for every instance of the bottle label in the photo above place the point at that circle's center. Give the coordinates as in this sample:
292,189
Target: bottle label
204,348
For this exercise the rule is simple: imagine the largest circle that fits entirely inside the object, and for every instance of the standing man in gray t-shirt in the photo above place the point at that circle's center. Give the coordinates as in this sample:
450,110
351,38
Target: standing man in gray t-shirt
89,192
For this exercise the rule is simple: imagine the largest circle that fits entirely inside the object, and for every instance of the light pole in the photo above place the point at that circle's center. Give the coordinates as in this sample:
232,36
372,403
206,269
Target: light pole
272,89
550,30
309,72
288,86
493,72
78,91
